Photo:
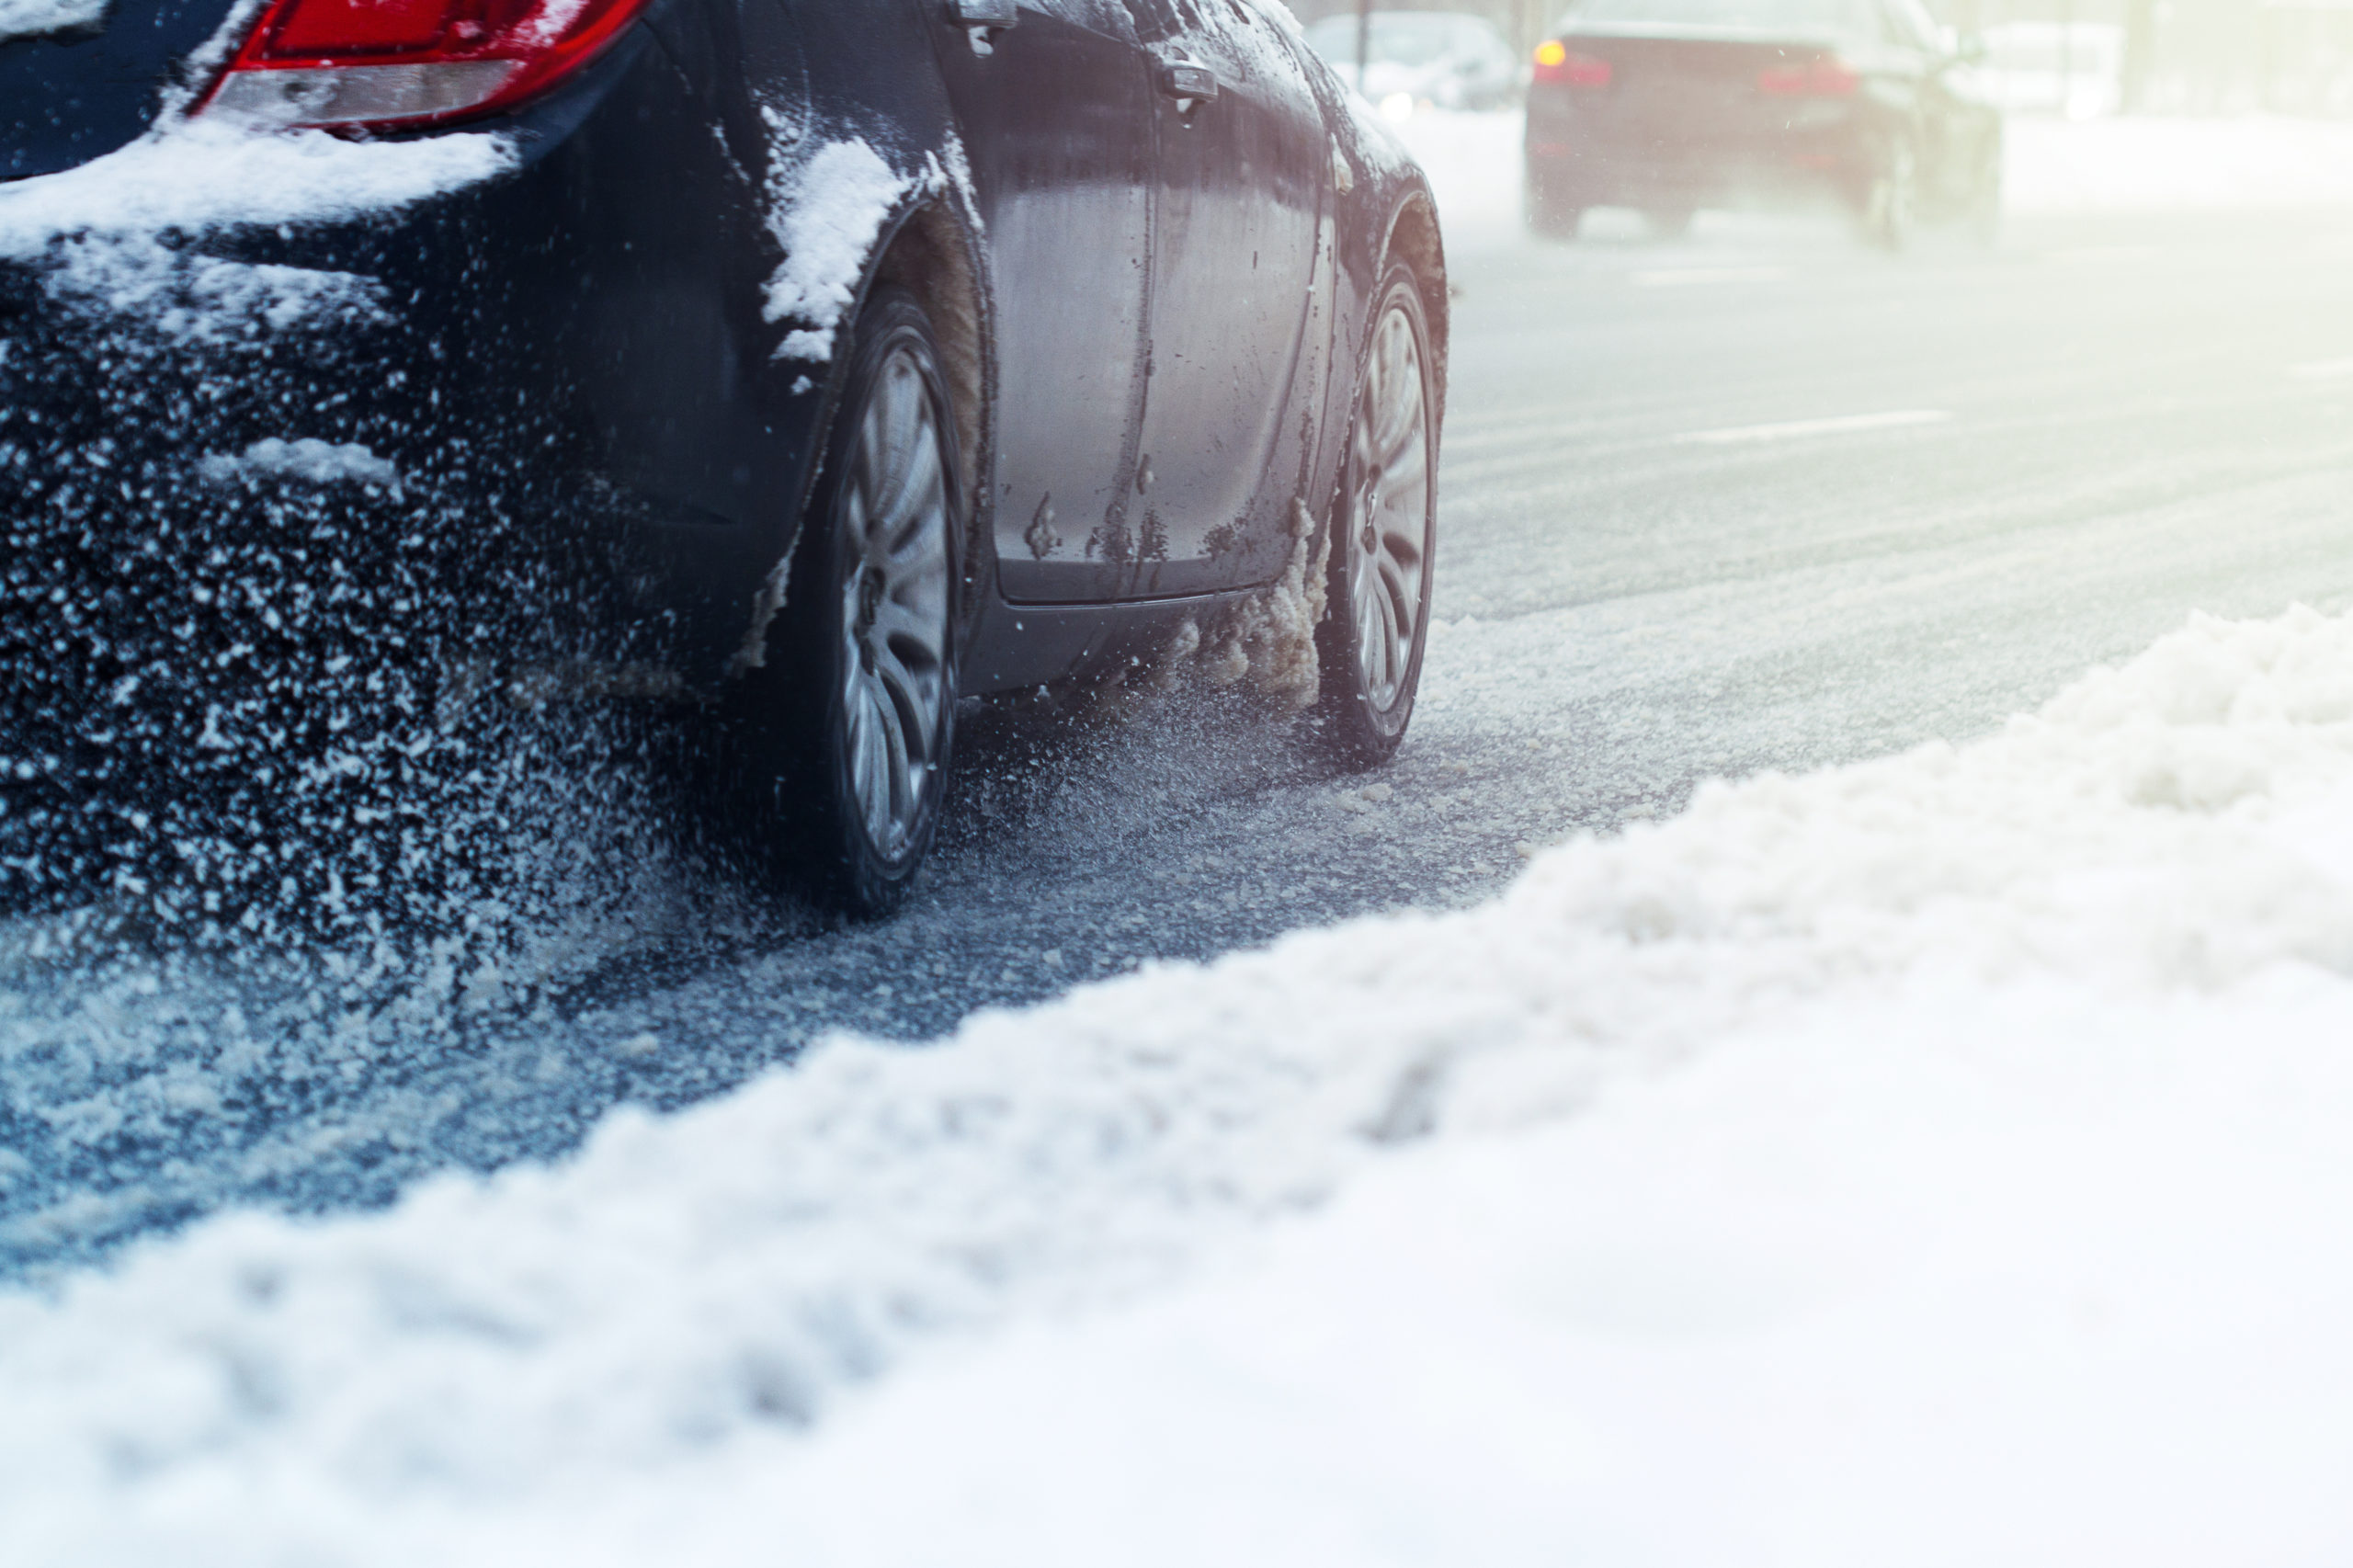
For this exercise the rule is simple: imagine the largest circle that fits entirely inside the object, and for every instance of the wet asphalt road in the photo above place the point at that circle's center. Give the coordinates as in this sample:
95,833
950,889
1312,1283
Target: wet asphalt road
1752,499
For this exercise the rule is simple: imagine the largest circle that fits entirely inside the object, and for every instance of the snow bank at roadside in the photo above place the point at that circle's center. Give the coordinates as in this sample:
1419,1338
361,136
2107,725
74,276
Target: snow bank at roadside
2042,1276
1958,1168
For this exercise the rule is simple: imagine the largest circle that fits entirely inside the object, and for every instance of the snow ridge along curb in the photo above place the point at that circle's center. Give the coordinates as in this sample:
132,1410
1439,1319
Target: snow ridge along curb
262,1390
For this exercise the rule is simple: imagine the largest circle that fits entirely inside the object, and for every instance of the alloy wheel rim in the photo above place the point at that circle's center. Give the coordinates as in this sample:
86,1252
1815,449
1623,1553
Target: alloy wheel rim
1387,541
894,602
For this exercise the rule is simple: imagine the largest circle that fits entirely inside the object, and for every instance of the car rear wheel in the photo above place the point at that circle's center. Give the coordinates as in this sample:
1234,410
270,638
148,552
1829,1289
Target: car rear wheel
1368,647
1550,210
1982,219
847,726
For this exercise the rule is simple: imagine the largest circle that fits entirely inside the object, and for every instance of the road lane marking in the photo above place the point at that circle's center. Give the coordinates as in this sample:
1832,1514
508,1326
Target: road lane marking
2322,370
1846,424
1679,277
2102,255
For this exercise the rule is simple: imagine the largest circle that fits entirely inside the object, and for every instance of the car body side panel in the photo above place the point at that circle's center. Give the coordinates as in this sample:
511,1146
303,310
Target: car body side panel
1056,126
731,459
1373,184
1243,176
583,339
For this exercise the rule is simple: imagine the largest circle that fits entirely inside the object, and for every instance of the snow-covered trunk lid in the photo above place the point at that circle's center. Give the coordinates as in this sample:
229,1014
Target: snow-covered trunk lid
79,78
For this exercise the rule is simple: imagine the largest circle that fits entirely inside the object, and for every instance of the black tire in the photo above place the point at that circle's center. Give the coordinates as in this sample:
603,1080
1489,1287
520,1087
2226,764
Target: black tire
844,734
1384,535
1982,220
1890,205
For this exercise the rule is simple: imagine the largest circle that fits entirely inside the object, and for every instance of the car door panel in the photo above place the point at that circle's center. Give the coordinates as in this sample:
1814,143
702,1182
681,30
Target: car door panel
1243,178
1057,131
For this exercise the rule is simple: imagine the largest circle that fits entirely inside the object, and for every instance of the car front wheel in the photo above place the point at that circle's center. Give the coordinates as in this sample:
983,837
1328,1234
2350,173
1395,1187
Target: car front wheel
1368,647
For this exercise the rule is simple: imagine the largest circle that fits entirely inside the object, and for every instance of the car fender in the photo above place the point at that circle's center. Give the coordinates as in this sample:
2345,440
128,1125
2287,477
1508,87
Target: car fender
931,242
1382,201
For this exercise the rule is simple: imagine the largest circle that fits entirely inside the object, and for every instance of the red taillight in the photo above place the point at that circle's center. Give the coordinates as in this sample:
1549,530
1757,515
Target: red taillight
382,63
1824,76
1558,65
353,26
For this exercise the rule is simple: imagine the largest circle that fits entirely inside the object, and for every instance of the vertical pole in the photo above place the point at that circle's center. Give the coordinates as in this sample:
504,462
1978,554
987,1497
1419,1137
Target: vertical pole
2269,57
1364,39
2066,58
2140,53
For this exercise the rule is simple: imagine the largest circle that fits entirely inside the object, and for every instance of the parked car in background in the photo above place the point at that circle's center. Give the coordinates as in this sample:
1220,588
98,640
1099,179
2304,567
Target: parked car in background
1424,58
1670,105
806,368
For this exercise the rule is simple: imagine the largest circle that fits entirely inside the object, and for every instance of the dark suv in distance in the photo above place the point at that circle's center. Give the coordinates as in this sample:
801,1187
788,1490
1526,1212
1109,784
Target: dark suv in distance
1670,105
805,365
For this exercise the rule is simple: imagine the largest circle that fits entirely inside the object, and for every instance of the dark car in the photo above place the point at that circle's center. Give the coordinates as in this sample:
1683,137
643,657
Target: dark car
1670,105
806,366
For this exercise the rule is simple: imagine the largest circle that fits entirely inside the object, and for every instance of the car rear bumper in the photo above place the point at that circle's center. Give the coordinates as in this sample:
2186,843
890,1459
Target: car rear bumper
285,509
1583,159
563,364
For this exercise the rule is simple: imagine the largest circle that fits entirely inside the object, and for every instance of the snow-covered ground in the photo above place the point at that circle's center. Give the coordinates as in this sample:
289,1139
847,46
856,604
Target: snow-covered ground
2141,163
1937,1159
2053,165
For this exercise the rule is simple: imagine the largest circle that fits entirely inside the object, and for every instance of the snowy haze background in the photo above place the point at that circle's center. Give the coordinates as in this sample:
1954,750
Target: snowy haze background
1935,1159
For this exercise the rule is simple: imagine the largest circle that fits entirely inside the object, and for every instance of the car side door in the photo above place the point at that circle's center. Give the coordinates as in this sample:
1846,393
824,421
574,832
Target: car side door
1245,172
1057,118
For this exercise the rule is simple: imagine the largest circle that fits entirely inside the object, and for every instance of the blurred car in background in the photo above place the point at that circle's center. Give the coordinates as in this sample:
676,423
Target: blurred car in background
1422,59
1670,105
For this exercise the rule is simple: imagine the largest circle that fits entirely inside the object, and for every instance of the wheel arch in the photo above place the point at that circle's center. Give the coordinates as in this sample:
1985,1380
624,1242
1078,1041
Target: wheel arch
929,251
1415,238
1411,234
930,247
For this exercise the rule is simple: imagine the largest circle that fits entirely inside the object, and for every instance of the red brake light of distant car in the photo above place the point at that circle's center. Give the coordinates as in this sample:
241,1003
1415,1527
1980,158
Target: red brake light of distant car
390,63
1557,65
1824,76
